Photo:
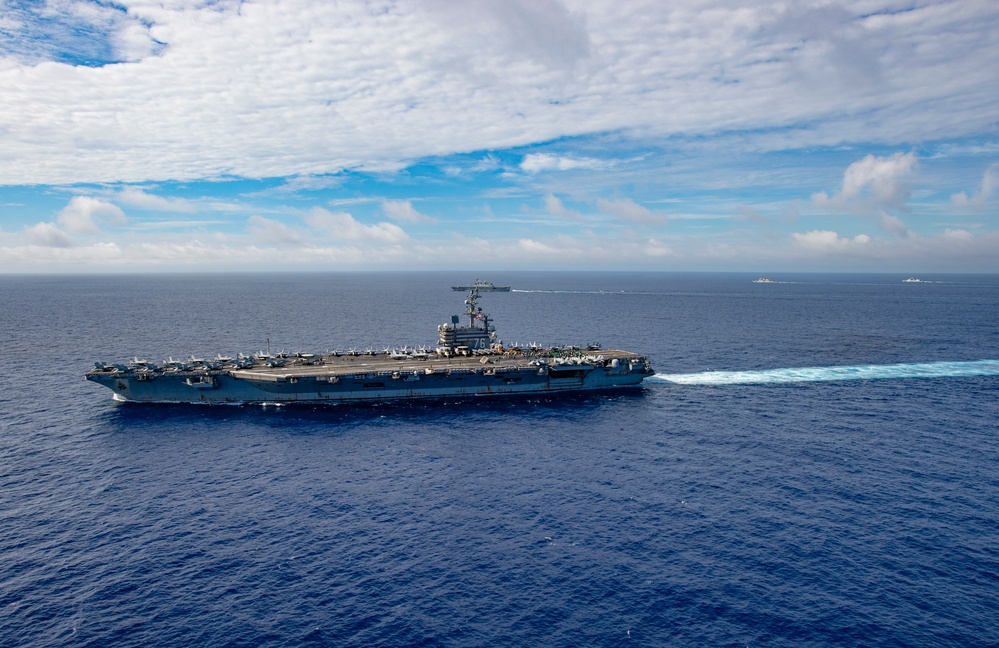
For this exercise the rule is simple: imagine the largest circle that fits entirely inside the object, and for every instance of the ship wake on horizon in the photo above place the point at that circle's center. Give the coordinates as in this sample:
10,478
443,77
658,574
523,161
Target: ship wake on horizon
961,369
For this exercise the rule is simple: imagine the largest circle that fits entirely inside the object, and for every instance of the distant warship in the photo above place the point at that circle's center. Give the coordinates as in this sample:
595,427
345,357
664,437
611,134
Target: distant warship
482,286
468,361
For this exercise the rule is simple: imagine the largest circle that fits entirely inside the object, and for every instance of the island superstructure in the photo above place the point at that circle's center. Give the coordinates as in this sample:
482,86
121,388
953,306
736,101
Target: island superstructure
469,361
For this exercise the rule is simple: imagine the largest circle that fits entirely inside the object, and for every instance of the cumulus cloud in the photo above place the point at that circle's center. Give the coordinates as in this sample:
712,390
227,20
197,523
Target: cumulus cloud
343,226
873,182
987,191
48,235
824,241
84,214
403,211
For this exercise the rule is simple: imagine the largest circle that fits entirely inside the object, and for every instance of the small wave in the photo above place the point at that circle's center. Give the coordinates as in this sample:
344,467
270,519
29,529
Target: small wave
819,374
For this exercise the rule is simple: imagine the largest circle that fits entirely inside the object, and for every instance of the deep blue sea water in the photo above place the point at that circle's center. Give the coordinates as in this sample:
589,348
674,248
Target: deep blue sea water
817,463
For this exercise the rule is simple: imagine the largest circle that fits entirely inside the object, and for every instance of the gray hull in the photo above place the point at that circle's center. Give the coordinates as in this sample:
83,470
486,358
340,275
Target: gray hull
469,361
358,380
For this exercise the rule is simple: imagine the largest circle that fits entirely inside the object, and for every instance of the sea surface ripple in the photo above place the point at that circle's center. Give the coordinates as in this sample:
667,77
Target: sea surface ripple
690,512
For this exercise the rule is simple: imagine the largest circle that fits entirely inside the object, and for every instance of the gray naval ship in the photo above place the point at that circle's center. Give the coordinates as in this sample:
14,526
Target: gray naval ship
468,361
482,286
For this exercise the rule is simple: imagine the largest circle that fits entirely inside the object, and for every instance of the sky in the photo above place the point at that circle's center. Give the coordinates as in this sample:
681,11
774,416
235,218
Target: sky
648,135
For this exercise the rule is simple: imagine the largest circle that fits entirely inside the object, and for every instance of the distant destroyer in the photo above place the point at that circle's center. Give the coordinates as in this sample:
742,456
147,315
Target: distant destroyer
482,286
468,361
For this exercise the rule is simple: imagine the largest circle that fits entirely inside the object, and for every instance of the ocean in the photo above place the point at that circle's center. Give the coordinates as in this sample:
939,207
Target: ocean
816,462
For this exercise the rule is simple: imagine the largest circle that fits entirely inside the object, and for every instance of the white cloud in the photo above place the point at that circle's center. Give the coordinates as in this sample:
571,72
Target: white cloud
534,247
549,99
893,224
654,248
135,197
824,241
538,162
133,42
94,32
555,207
873,183
628,210
957,236
343,226
309,183
824,42
151,225
541,31
48,235
44,258
987,191
248,89
271,232
403,211
343,243
83,214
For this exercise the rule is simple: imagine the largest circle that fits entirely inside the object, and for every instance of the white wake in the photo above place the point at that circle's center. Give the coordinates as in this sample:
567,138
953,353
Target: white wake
817,374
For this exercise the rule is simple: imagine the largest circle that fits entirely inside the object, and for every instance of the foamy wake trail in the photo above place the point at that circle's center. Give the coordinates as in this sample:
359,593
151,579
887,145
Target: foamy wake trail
589,292
816,374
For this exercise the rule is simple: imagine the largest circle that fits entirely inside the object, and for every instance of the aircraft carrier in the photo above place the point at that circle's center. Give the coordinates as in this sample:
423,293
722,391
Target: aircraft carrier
469,361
